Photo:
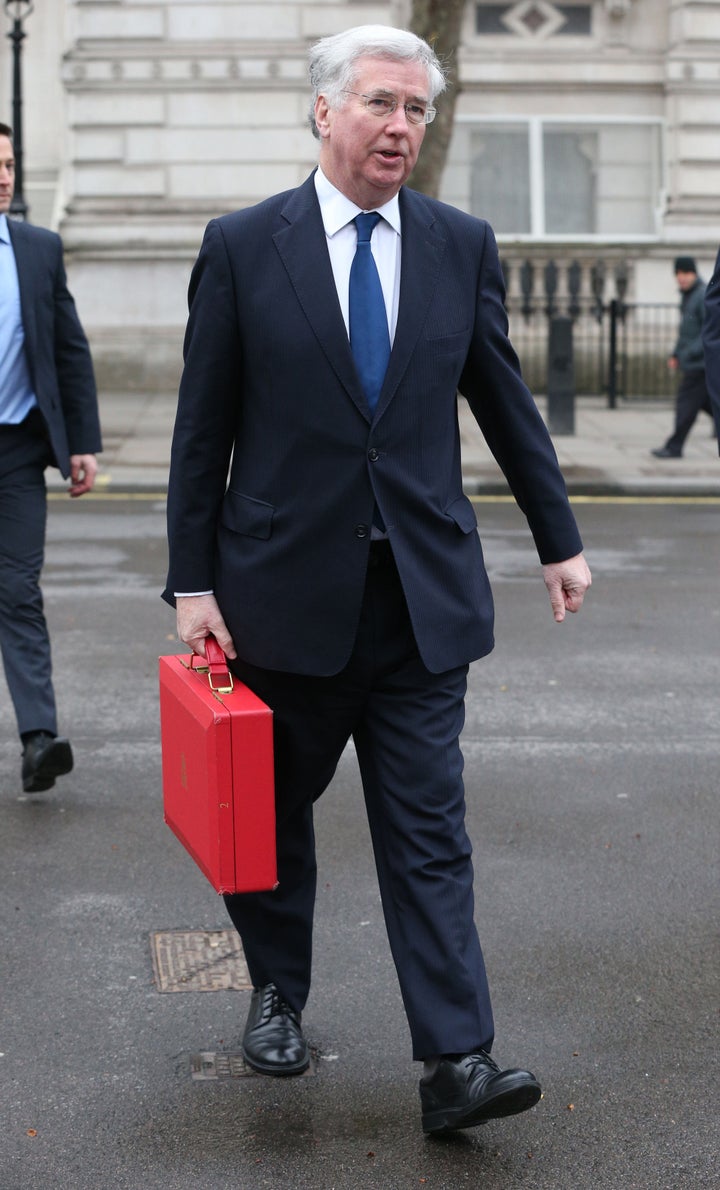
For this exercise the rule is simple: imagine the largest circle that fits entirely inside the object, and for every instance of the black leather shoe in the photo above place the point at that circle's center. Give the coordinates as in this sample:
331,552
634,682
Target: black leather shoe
666,452
45,757
465,1091
273,1042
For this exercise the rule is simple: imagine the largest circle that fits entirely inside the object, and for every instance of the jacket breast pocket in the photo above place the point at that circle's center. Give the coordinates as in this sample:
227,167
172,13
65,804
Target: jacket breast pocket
448,344
244,514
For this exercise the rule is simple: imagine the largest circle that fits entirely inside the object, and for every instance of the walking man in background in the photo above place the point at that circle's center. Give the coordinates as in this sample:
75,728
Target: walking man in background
48,417
687,357
340,566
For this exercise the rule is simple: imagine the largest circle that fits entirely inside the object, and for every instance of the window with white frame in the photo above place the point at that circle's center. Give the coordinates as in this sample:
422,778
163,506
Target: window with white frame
546,177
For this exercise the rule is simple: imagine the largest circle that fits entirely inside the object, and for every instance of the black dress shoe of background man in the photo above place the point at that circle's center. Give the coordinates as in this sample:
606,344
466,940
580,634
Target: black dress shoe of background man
460,1092
273,1041
666,452
45,757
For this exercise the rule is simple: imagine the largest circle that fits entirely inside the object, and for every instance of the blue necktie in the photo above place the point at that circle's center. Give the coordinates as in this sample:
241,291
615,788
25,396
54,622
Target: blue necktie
369,337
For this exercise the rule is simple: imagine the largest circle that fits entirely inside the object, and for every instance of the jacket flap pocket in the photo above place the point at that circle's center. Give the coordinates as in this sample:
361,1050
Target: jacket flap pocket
243,514
463,514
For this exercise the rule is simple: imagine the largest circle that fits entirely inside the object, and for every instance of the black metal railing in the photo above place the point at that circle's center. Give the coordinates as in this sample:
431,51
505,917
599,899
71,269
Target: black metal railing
620,348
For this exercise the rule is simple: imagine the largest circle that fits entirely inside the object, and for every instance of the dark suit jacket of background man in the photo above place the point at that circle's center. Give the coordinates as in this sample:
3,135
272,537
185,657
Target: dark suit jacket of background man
711,340
270,377
55,345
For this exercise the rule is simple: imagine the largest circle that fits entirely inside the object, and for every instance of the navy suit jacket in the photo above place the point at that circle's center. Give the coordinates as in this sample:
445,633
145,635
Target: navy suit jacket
711,342
270,396
57,351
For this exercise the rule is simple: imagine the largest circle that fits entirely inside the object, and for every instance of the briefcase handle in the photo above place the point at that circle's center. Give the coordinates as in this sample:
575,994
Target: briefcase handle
215,665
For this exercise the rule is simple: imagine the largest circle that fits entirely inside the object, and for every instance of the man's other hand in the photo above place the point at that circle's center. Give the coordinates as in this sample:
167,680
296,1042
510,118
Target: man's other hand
567,583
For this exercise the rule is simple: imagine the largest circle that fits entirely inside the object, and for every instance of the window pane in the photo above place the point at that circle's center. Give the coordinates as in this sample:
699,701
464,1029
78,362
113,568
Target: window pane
601,179
500,174
570,158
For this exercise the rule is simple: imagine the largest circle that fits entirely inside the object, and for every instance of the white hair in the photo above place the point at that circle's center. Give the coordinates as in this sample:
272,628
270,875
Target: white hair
333,59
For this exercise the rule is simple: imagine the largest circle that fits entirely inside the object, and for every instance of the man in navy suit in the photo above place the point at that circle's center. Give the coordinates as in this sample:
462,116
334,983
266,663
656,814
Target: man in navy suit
48,417
339,565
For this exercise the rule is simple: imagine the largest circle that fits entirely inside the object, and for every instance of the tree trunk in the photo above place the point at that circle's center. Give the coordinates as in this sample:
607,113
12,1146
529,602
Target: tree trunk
438,22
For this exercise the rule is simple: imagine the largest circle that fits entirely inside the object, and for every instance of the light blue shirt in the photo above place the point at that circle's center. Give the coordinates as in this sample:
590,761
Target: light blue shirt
17,397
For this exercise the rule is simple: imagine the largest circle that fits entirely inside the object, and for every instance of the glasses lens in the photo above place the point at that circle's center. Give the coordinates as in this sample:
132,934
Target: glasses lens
380,105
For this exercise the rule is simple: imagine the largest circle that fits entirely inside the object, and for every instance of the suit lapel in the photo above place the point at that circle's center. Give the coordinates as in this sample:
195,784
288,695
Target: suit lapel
303,249
302,246
423,249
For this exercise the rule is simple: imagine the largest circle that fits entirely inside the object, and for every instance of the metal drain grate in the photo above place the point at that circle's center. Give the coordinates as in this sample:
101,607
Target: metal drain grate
207,1066
199,961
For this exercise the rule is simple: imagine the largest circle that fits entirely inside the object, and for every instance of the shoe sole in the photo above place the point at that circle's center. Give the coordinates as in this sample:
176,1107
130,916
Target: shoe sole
509,1103
56,763
292,1068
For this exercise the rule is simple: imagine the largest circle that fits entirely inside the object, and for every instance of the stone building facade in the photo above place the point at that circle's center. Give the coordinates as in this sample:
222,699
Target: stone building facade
584,131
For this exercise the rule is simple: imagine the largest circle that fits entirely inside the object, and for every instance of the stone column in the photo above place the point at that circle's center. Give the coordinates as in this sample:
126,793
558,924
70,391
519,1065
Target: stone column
692,107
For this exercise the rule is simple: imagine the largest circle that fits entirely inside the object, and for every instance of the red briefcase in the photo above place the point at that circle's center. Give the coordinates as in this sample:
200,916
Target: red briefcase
217,771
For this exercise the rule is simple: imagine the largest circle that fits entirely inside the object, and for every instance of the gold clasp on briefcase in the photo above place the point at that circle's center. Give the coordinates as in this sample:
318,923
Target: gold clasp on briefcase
212,667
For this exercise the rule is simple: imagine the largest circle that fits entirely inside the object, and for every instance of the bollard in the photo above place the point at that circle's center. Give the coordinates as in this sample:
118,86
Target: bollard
561,377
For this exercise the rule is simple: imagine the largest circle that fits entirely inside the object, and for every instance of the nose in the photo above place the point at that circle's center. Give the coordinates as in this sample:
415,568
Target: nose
397,121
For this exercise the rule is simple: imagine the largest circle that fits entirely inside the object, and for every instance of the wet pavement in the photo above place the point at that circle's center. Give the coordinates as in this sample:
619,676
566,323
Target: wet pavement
592,767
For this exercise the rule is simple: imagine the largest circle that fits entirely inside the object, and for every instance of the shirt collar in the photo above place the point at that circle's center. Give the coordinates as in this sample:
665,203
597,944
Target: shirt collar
4,233
337,210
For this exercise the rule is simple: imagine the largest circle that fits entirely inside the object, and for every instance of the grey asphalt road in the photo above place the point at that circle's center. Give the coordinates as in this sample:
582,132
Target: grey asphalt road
592,771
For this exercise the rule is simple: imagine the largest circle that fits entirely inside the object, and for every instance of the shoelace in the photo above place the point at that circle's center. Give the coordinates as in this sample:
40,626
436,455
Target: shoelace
275,1005
483,1058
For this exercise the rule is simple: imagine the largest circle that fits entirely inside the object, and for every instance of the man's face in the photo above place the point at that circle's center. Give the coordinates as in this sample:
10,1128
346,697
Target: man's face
685,280
7,174
365,156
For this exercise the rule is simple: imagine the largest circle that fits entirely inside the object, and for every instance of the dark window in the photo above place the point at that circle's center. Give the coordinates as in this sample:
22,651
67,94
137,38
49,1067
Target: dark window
577,19
570,19
487,18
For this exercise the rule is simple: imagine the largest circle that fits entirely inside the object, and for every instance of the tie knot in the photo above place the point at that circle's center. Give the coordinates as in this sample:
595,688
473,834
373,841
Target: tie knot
366,225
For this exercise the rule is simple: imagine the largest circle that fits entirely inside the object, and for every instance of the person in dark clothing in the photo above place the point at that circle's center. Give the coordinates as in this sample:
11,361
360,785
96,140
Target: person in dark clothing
688,358
318,529
711,343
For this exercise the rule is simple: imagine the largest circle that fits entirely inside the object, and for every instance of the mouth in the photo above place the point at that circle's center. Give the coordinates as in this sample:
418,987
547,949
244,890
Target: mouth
390,154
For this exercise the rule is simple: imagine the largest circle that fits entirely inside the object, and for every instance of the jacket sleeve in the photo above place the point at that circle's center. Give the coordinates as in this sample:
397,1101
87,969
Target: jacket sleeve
74,369
511,422
208,404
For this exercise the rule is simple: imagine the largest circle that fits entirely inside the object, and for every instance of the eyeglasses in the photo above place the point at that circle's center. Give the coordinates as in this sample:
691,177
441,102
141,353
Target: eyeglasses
384,105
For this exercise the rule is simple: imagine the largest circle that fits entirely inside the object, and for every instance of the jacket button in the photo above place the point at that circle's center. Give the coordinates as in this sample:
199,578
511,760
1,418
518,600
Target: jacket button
373,455
361,530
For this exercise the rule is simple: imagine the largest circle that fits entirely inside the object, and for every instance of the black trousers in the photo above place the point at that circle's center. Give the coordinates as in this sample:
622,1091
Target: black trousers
692,398
24,640
405,723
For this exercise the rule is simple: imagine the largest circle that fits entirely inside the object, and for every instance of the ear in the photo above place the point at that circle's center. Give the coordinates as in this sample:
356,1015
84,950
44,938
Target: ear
322,116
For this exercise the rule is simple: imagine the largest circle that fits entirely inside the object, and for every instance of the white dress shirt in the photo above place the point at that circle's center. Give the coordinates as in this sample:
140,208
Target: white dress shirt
338,213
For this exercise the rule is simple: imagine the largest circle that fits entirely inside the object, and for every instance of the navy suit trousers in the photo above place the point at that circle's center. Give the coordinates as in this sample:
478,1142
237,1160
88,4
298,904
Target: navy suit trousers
405,723
24,640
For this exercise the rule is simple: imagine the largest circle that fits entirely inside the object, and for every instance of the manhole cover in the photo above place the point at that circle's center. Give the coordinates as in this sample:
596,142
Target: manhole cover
199,961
